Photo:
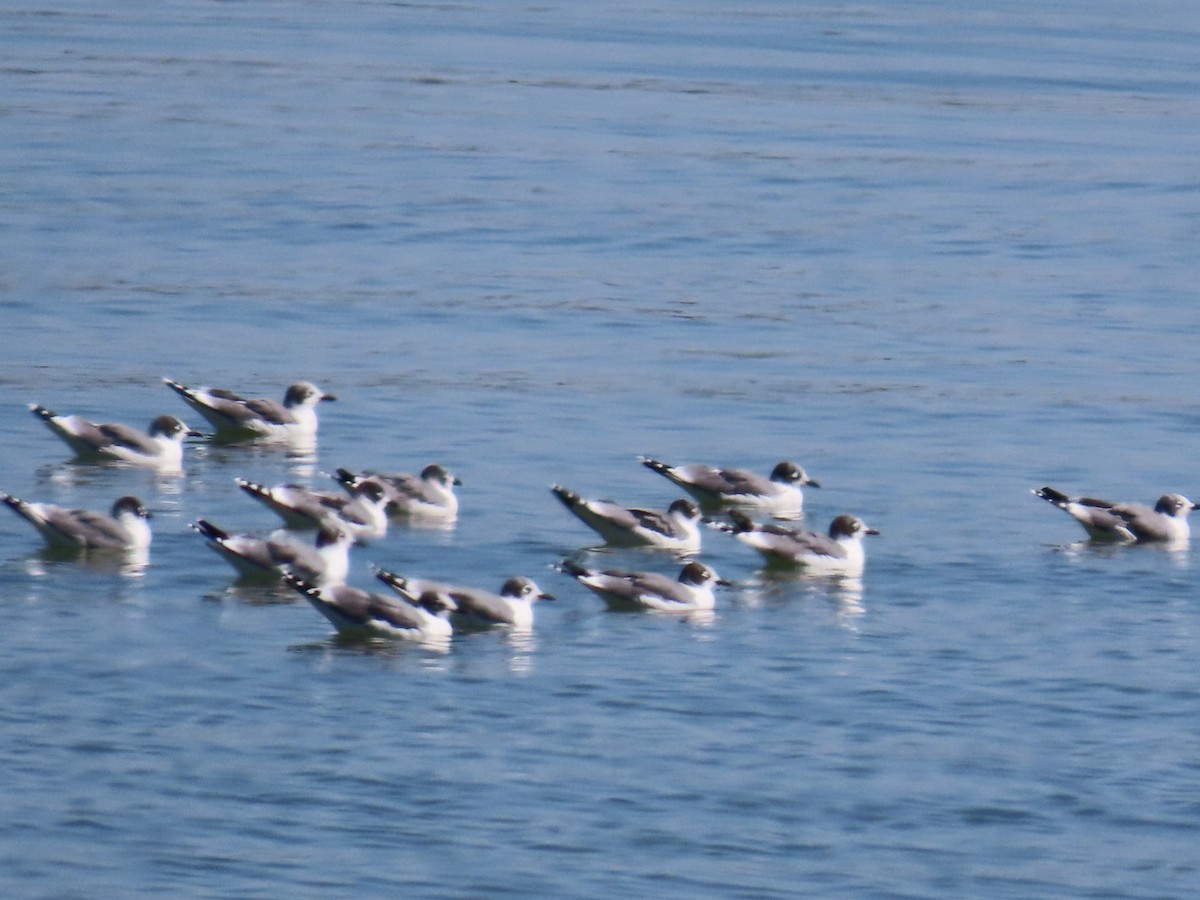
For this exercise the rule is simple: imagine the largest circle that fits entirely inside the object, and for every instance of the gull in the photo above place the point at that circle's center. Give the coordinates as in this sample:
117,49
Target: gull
124,529
1165,522
715,488
840,552
690,592
356,613
324,563
235,417
361,515
428,495
159,447
673,529
471,607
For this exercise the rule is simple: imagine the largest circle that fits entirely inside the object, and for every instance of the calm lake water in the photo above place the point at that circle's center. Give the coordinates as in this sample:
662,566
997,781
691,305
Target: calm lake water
940,253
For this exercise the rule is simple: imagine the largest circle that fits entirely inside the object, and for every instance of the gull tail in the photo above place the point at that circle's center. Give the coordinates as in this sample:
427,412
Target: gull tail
1050,495
572,568
569,498
209,530
254,488
19,506
655,465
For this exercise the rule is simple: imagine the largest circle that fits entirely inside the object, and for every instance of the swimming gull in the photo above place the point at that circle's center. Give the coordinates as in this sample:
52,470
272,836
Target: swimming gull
690,592
779,494
325,562
361,514
472,607
676,528
235,417
125,528
1105,521
840,552
428,495
159,447
357,613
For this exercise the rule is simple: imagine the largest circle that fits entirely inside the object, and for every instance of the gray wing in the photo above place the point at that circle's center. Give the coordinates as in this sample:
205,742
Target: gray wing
394,612
661,585
612,512
283,549
305,502
404,485
481,605
796,543
270,411
653,520
1102,518
630,586
604,516
1144,521
83,526
742,481
224,404
706,478
86,432
127,436
254,551
723,482
351,509
365,606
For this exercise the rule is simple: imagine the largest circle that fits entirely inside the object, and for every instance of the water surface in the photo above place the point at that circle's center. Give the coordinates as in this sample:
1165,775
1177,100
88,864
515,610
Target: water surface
940,255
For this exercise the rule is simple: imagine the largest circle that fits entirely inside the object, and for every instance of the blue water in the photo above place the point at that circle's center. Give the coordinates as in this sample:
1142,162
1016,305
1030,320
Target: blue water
940,253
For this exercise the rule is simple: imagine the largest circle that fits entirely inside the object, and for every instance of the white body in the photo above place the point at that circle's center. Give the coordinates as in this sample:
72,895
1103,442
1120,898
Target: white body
676,528
716,487
1164,523
362,516
691,592
471,607
160,447
236,417
840,552
124,529
427,496
363,614
325,563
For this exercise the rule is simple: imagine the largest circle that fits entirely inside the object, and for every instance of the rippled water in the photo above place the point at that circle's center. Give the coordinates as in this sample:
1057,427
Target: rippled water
939,253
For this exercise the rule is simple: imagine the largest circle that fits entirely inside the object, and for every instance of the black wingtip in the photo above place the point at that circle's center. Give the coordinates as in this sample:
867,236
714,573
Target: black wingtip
304,587
572,568
251,487
568,497
653,464
741,521
1050,495
391,579
209,530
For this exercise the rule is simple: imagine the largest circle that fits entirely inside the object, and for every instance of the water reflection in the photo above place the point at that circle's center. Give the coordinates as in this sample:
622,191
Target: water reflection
126,563
380,647
777,587
73,474
1086,549
523,644
299,453
255,593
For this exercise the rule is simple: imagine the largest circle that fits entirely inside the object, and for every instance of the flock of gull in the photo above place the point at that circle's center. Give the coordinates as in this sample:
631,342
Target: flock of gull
426,610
